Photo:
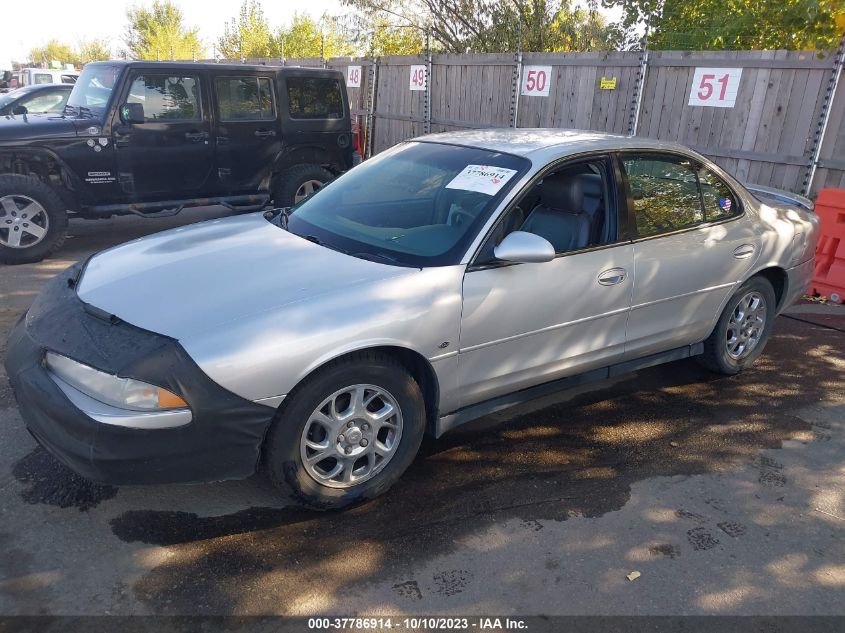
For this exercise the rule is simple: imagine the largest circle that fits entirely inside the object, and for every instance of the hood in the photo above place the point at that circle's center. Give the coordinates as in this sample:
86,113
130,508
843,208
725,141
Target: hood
190,279
22,127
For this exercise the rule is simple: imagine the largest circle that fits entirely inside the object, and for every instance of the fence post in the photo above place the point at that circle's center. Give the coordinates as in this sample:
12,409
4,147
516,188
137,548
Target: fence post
637,101
516,80
371,107
824,117
428,63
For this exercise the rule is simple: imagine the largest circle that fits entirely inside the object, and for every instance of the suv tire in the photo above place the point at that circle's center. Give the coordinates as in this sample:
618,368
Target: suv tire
26,204
320,418
742,330
298,182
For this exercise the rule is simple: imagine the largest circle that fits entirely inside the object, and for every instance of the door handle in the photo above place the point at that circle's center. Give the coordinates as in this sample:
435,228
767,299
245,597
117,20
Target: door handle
264,133
196,136
612,276
744,252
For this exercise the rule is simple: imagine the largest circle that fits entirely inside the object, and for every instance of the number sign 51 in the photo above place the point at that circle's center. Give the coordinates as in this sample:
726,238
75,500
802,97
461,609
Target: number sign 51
715,87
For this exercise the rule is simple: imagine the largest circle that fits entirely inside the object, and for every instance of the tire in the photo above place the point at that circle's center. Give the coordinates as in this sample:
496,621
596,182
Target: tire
720,355
292,183
17,244
299,419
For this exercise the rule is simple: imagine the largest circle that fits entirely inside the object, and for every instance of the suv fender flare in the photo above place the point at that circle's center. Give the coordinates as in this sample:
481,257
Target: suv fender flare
72,185
303,154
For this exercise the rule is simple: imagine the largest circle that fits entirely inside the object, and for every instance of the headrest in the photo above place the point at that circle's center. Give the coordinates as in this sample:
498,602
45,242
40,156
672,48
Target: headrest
591,184
563,192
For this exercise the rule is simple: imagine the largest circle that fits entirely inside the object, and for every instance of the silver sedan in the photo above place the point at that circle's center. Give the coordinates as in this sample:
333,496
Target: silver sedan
447,278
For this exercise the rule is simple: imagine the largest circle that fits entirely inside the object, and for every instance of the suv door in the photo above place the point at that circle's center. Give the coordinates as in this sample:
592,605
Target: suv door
526,324
170,155
693,245
247,130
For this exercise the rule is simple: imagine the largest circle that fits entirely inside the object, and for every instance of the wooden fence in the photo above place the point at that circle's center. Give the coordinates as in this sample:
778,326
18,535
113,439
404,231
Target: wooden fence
785,129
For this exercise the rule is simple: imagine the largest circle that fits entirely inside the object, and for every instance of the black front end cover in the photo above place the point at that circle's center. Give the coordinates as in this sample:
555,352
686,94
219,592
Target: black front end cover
223,440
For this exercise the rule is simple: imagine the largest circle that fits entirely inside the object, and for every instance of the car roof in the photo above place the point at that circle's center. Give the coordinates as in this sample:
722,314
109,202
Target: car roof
213,66
543,143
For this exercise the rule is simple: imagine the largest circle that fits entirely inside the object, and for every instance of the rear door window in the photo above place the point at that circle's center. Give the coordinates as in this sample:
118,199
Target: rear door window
245,98
166,97
314,98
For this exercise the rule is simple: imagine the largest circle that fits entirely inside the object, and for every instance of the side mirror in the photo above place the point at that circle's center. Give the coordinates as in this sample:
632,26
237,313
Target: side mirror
132,113
524,248
19,110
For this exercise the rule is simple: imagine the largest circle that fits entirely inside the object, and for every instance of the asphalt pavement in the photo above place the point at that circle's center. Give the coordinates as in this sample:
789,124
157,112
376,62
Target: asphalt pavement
726,494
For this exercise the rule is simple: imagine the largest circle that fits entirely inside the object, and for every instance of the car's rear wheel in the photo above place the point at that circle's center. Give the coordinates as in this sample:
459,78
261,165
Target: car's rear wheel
33,220
347,433
299,182
743,328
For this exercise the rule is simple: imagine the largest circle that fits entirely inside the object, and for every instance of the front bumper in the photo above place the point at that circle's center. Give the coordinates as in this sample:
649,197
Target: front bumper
222,440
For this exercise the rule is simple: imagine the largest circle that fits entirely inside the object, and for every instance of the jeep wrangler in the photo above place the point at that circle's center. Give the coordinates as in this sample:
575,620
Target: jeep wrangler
152,138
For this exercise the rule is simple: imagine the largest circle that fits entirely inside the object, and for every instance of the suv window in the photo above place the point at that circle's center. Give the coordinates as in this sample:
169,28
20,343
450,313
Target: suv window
314,98
245,98
165,97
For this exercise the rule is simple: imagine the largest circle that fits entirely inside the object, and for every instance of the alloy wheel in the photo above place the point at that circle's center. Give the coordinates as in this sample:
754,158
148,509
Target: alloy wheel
23,221
351,436
746,325
306,189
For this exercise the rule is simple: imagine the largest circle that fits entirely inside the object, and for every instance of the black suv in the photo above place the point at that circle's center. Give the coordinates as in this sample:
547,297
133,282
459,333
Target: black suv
152,138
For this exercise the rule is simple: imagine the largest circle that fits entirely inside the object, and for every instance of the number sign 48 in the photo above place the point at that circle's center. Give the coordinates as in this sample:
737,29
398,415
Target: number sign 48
353,76
715,87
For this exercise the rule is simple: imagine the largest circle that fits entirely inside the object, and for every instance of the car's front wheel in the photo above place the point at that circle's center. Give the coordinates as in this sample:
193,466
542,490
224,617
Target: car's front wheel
743,328
347,433
33,220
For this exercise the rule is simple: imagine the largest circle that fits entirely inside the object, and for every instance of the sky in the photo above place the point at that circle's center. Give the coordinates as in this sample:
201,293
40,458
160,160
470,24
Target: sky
72,21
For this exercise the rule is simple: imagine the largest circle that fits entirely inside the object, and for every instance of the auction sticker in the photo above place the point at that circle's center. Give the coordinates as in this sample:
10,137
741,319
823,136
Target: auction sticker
481,178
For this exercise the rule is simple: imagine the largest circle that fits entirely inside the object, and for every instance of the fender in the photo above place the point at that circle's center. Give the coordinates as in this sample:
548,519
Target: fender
70,180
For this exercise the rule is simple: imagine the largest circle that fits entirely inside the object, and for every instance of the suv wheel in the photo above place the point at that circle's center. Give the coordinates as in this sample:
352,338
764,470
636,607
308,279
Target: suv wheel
742,330
347,433
33,220
299,182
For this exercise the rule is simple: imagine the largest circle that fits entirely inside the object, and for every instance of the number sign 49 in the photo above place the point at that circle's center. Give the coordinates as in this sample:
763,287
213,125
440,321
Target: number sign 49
536,81
715,87
417,77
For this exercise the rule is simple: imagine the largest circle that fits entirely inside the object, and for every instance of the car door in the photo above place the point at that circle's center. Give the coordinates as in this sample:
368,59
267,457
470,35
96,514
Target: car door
693,245
526,324
248,134
170,154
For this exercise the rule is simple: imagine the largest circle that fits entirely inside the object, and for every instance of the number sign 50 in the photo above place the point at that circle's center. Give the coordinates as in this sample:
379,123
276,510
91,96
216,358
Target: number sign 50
536,81
715,87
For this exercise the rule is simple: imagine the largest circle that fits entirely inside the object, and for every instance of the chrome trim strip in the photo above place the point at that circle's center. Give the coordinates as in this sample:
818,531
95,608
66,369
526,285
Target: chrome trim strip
108,414
681,296
542,330
272,402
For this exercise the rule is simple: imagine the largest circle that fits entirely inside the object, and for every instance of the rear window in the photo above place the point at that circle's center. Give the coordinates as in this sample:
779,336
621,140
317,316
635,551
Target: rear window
43,78
245,98
315,98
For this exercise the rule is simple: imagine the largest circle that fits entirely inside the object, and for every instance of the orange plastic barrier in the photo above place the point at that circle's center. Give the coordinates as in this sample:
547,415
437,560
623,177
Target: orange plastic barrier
829,275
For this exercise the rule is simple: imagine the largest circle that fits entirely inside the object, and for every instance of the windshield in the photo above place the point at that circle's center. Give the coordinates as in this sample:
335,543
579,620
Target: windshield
419,204
91,92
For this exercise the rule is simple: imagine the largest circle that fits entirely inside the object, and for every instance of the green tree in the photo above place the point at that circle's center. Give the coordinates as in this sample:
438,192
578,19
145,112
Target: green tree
737,24
460,26
93,50
385,39
306,37
53,50
159,32
248,34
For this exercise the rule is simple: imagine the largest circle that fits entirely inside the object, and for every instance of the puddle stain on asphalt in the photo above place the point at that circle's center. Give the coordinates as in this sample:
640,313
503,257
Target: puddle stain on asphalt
574,458
52,483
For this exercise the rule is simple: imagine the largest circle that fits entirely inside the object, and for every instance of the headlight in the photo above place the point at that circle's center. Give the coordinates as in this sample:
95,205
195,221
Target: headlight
125,393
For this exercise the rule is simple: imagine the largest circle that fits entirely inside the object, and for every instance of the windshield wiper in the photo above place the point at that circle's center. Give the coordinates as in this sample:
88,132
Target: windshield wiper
373,257
319,242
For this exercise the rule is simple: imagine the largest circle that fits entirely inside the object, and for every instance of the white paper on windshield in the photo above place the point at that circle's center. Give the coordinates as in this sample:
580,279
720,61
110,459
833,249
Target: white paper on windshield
482,178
